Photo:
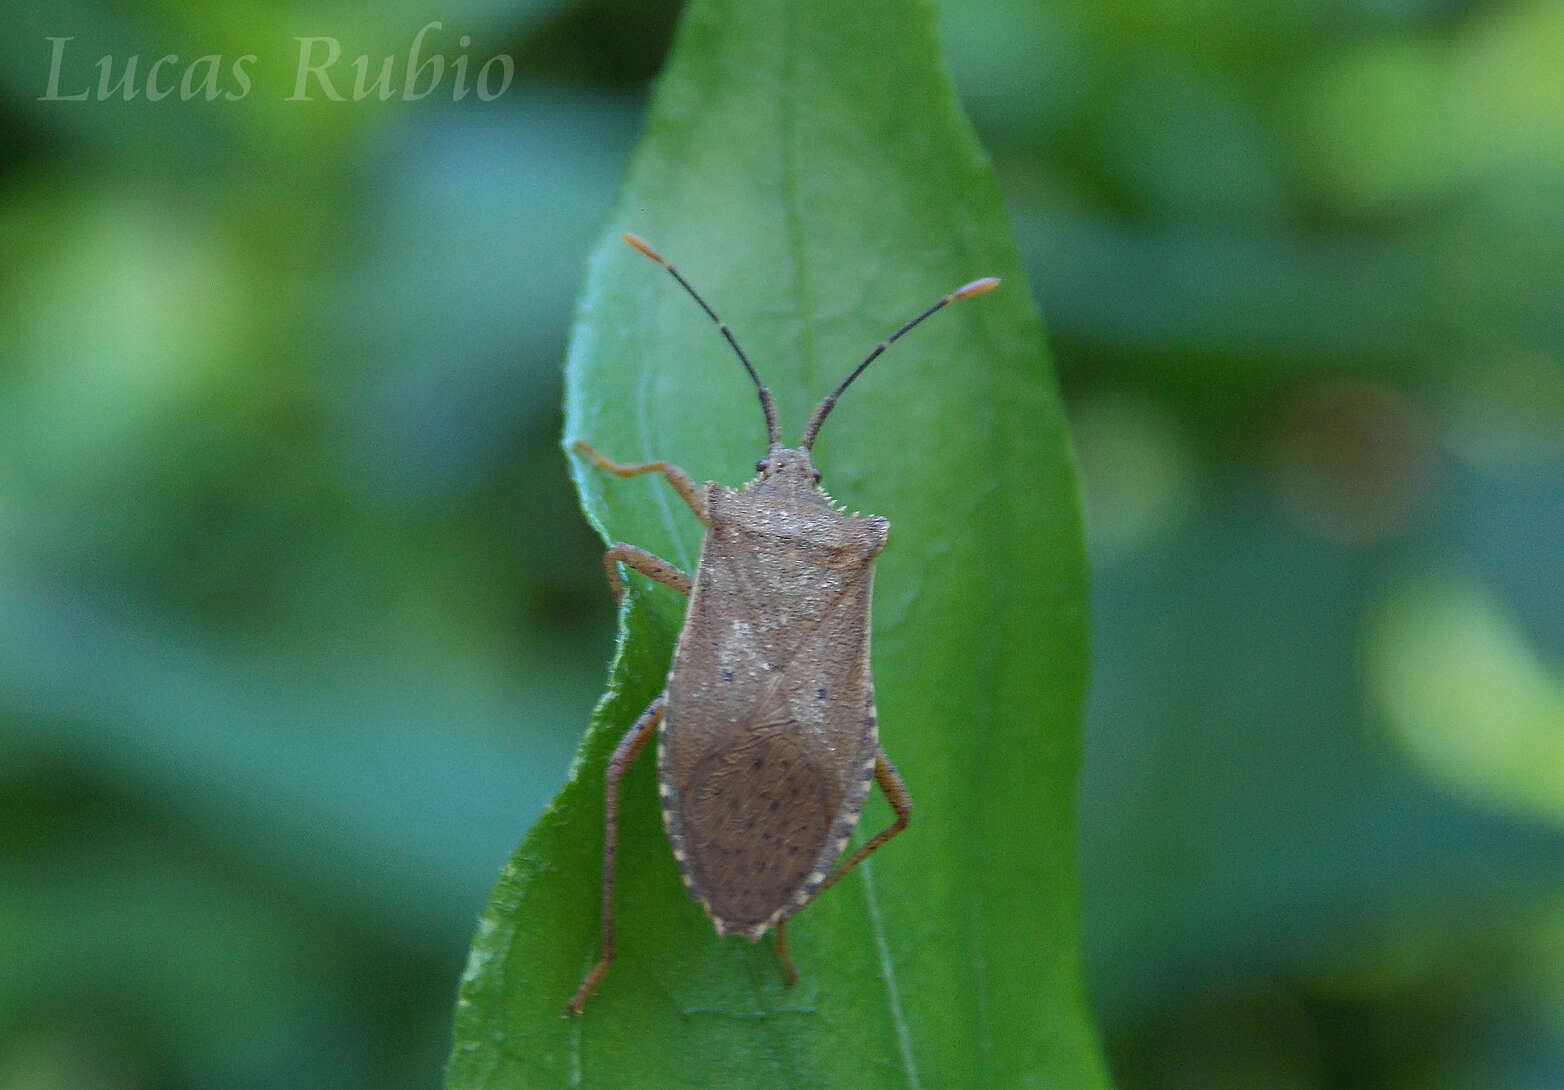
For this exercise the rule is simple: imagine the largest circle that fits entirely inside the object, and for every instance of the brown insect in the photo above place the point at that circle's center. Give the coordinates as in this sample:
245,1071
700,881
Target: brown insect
767,736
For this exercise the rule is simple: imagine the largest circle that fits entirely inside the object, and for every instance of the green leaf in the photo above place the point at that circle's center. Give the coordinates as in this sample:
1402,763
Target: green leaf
806,166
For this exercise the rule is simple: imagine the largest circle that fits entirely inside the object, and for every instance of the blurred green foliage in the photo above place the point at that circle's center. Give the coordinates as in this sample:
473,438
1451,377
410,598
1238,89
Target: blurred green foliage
299,622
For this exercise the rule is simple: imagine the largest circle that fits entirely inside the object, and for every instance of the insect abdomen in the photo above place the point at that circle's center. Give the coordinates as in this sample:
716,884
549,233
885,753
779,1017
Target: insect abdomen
756,816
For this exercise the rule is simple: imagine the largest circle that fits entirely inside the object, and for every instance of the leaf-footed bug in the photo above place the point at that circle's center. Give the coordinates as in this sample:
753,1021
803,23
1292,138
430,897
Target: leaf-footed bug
767,732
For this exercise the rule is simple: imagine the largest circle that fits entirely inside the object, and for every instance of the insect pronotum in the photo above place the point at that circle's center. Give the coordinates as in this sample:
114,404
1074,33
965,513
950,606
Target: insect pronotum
767,733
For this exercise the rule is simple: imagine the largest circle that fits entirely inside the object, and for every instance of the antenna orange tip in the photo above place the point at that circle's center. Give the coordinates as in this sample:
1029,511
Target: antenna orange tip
977,287
645,247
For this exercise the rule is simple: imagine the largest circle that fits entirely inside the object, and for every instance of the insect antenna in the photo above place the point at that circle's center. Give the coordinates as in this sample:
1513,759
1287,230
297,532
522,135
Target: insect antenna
977,287
773,429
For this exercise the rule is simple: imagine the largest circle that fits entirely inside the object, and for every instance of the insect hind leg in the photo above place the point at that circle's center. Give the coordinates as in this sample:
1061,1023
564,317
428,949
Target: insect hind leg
789,974
895,790
625,753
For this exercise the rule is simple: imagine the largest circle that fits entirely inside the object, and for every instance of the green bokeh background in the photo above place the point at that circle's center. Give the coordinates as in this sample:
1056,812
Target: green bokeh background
299,622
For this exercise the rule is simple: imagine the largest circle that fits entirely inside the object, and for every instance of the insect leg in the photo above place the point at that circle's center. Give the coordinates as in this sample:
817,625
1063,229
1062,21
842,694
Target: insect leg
687,489
896,794
648,564
789,974
624,755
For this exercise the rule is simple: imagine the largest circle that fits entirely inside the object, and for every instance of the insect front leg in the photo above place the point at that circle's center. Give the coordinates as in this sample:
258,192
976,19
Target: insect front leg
625,753
687,489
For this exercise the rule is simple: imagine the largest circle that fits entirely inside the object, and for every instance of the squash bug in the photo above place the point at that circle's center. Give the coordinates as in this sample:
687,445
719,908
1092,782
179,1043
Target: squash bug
767,733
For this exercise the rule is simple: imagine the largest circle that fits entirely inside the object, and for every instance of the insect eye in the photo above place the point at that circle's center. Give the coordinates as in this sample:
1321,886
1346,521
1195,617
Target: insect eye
760,466
815,475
